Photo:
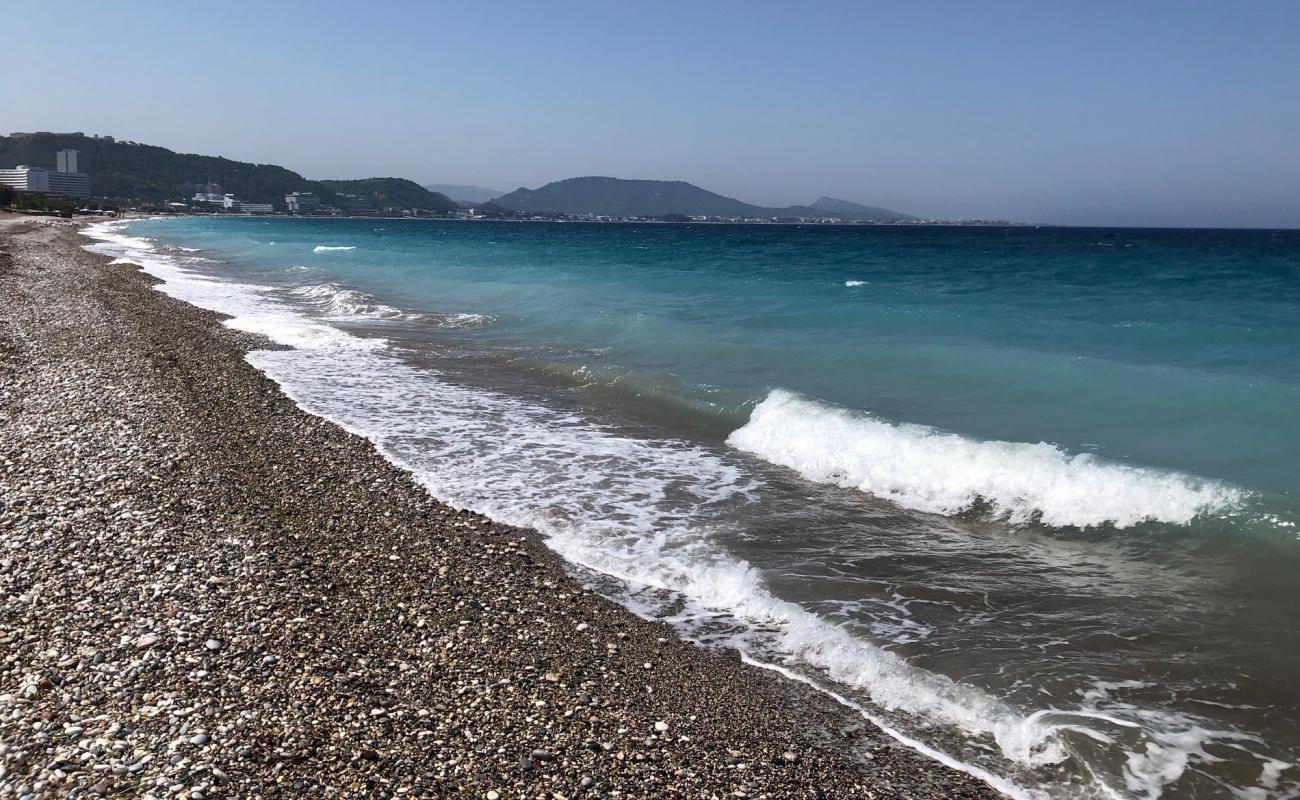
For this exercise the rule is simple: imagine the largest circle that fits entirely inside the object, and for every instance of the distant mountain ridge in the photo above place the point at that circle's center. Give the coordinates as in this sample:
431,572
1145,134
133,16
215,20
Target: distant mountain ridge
650,198
463,193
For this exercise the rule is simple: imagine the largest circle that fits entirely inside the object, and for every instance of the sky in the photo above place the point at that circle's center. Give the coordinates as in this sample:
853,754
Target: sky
1157,112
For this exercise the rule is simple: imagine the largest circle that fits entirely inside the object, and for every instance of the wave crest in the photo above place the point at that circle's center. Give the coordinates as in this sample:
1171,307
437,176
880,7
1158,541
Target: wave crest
322,248
462,320
925,469
338,300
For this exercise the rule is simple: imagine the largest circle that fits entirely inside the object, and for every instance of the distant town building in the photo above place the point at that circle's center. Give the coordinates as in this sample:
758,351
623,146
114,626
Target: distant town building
228,202
26,179
30,134
67,180
213,199
70,184
302,202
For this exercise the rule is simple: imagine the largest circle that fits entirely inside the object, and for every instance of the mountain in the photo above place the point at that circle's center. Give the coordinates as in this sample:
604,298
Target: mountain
155,174
596,195
639,198
844,208
393,193
465,194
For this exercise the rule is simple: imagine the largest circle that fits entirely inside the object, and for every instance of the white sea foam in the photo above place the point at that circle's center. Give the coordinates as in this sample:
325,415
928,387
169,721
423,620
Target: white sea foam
248,306
855,283
322,248
928,470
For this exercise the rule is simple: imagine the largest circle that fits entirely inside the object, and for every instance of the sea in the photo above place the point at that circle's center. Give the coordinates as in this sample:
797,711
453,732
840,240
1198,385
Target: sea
1025,498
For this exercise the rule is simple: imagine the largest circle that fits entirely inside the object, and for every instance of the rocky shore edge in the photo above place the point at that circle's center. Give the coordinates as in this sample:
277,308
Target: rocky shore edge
209,593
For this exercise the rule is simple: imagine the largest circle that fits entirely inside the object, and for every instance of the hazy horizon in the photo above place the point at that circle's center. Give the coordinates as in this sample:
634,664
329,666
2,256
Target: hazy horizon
1178,114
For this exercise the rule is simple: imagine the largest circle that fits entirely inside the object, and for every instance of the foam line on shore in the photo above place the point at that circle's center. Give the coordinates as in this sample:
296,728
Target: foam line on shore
250,310
1001,784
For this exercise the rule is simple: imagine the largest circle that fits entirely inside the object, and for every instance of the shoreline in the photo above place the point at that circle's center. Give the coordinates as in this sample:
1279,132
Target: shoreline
216,594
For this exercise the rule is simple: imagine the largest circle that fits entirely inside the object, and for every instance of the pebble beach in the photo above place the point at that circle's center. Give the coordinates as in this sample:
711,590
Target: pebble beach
210,593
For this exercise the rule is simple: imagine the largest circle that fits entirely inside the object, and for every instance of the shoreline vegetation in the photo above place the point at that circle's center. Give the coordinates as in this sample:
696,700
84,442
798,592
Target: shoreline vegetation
212,593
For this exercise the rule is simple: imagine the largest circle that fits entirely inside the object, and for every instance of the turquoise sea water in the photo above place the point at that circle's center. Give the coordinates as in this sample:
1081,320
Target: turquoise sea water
1025,496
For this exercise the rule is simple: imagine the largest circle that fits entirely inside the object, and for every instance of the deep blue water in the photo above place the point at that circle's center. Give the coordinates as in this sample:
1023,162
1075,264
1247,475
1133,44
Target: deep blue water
1028,495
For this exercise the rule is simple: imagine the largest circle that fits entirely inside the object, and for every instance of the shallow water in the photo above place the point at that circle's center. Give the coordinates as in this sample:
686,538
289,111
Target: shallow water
1027,497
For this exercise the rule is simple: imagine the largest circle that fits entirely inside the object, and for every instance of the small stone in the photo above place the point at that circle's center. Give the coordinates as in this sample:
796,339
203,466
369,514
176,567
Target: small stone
587,782
146,641
200,740
551,677
661,727
542,755
213,644
493,794
790,757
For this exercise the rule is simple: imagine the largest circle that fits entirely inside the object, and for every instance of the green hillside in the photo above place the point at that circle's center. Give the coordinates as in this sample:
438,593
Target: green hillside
393,193
149,174
155,174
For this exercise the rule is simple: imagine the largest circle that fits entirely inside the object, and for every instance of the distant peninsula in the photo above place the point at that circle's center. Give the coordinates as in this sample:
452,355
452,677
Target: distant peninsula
617,197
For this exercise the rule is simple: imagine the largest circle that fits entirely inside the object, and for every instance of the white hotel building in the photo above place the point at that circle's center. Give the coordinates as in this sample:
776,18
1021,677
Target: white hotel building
66,180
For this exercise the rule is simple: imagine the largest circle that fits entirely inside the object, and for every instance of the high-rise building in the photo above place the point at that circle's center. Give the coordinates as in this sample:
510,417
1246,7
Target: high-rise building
67,161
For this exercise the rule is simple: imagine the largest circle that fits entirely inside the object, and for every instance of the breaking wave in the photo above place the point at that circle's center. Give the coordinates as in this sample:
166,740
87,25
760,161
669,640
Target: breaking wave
340,302
928,470
463,320
337,300
321,248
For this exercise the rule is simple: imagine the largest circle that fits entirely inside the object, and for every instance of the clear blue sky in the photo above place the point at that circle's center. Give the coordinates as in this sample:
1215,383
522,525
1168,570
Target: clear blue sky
1163,113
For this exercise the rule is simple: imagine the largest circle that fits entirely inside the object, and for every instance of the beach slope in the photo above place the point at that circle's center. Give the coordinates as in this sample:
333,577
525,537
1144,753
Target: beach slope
211,593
